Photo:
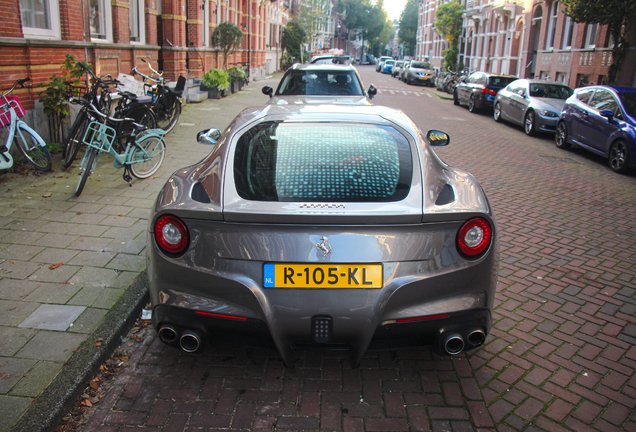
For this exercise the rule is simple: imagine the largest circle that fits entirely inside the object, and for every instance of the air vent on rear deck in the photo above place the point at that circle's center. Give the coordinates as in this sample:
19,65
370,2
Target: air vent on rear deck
199,194
446,196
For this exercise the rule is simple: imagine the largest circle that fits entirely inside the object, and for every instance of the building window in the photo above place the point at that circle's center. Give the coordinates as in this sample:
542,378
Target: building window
40,18
100,19
137,21
554,12
590,36
568,30
561,77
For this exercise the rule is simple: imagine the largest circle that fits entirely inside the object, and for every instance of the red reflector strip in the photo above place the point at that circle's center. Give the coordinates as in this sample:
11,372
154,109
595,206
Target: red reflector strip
423,318
222,316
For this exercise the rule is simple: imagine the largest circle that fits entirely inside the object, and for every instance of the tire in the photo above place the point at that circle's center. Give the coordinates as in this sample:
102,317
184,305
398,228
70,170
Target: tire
528,124
89,160
561,136
156,148
471,104
73,143
455,99
496,114
168,110
28,145
619,157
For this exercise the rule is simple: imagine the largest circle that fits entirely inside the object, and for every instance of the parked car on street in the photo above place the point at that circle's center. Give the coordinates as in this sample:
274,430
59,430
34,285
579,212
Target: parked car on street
534,104
387,66
479,89
332,227
420,73
380,63
601,119
403,69
440,78
329,59
397,67
320,83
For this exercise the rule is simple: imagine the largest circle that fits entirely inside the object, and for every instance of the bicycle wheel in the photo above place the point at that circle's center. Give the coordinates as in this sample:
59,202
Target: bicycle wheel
147,156
31,149
74,140
89,160
168,110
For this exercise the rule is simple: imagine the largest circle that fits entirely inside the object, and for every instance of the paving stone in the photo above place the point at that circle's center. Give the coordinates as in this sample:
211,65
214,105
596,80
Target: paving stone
59,274
52,317
13,370
19,252
17,269
37,378
51,346
11,409
14,289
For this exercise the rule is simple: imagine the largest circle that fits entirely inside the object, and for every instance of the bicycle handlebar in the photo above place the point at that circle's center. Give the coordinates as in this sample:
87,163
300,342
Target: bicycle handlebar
158,80
21,81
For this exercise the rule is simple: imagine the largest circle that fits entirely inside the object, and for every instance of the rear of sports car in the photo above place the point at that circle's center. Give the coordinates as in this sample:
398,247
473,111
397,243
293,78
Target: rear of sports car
299,234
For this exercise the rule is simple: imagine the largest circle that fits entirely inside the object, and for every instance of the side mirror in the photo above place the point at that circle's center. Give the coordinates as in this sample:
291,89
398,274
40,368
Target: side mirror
208,136
437,138
372,91
608,114
267,90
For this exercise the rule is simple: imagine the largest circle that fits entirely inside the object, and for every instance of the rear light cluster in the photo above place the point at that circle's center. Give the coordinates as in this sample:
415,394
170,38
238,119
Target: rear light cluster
171,234
489,91
474,237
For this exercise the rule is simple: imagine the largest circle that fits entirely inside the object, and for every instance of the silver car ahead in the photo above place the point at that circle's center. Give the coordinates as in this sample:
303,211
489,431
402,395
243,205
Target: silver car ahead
331,227
534,104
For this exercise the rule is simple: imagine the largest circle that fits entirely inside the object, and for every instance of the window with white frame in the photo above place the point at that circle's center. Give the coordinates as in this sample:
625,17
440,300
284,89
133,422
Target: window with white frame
40,18
568,30
100,19
554,13
590,36
137,21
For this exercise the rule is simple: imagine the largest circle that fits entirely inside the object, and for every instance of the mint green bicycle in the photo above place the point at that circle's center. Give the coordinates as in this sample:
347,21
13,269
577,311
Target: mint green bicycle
142,157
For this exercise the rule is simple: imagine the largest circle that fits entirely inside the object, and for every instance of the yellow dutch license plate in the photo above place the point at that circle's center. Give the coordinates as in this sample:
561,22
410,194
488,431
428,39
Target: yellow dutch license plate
322,276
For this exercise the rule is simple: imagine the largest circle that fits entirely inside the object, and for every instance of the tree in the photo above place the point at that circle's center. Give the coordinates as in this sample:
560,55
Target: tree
367,19
617,14
448,22
227,37
294,35
407,33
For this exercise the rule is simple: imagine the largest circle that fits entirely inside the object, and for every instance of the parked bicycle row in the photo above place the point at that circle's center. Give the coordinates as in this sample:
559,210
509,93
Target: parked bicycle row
132,129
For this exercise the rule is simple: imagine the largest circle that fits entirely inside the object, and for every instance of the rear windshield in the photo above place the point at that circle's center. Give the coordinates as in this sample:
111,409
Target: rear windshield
553,91
320,83
629,103
339,162
498,81
421,65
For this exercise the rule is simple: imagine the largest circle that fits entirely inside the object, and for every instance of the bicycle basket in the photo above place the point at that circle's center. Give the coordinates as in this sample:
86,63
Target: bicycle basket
99,136
78,91
5,112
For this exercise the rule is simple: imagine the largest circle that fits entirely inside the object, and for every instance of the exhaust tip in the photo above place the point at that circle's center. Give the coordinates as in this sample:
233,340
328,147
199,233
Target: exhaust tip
167,334
476,337
454,344
190,341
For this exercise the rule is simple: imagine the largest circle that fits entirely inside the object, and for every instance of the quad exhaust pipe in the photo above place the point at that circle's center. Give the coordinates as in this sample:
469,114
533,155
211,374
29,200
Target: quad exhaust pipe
453,344
167,334
190,341
476,337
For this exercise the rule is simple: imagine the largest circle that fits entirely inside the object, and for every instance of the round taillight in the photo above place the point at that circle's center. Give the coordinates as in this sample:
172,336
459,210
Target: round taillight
474,237
171,234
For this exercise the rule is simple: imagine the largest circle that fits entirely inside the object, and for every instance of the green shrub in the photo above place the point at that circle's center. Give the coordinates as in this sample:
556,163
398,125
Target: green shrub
216,78
236,74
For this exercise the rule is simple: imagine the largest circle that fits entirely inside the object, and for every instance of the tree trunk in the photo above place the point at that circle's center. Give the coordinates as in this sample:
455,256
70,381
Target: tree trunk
619,50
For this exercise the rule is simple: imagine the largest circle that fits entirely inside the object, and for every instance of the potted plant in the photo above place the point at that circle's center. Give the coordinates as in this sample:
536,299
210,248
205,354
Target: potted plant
215,81
237,77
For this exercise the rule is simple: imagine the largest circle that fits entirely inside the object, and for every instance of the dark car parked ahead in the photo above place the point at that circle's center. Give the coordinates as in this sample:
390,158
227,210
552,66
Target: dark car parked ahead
479,89
601,119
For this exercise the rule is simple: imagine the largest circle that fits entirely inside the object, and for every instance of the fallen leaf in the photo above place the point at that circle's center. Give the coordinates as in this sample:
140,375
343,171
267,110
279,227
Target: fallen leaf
98,344
79,213
4,375
34,185
124,359
12,262
86,403
54,266
46,195
93,385
120,214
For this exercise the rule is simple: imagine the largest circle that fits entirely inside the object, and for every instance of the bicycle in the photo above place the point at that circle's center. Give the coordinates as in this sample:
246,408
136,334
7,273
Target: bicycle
30,144
142,156
166,101
129,106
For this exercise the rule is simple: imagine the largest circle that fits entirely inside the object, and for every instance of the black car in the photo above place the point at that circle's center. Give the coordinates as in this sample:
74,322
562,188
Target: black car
479,89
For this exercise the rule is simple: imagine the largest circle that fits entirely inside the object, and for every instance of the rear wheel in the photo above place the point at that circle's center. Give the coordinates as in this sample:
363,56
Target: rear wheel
147,156
619,157
528,124
471,104
31,149
561,136
497,112
87,169
455,98
168,110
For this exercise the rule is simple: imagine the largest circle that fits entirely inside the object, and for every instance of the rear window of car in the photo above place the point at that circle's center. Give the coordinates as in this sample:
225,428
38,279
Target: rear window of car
498,81
320,83
315,162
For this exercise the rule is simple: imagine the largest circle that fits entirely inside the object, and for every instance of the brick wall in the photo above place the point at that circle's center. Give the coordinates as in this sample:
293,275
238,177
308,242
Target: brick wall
12,22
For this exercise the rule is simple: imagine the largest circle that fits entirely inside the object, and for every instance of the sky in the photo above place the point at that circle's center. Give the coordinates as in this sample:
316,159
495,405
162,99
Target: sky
394,8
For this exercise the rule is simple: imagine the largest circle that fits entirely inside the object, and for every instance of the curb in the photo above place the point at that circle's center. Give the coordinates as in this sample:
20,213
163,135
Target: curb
46,412
444,96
